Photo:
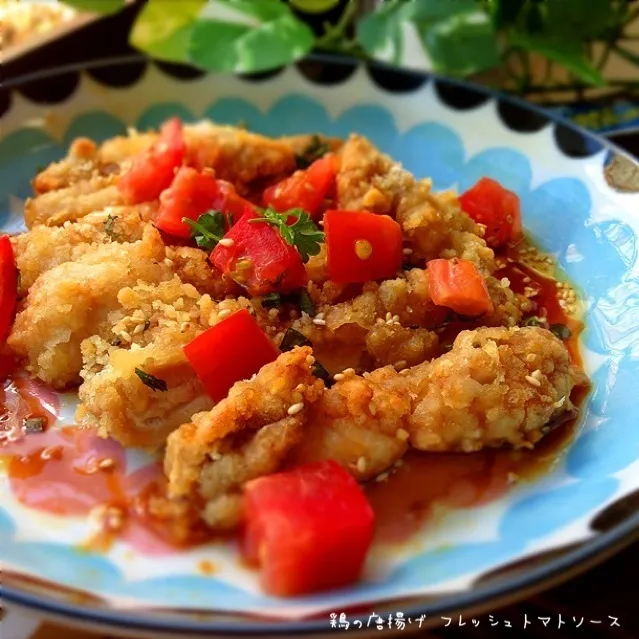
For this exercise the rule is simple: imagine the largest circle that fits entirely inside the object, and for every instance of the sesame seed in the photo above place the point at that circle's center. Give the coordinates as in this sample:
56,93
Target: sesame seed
168,262
531,357
380,321
526,279
338,377
321,222
295,408
310,360
349,371
402,434
407,251
536,374
396,318
372,408
223,313
319,322
389,316
227,242
107,463
320,316
125,336
505,282
562,303
560,402
532,380
381,477
138,329
406,371
215,456
361,464
184,327
398,366
300,388
363,249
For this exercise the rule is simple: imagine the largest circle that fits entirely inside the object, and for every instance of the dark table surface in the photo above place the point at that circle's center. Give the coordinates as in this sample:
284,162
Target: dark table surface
607,594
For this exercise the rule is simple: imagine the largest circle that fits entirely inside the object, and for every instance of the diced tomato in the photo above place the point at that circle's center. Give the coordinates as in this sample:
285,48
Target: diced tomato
259,259
304,189
8,286
458,285
190,195
309,528
228,352
153,170
362,246
489,203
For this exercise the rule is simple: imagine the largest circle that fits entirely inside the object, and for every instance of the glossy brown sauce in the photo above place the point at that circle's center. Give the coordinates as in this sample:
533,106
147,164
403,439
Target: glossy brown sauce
71,471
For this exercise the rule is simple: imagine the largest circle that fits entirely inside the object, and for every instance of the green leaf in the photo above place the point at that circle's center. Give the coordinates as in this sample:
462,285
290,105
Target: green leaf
315,150
380,32
154,383
104,7
435,10
208,230
314,6
578,19
461,44
165,31
293,338
248,36
568,54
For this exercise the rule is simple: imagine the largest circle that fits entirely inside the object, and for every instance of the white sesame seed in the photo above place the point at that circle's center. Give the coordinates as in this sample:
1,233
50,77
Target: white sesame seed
223,313
398,366
227,242
505,282
406,371
389,317
295,408
338,377
107,463
532,380
560,402
319,322
381,477
138,329
380,321
536,374
168,262
300,388
310,360
320,316
531,357
361,464
215,456
402,434
372,408
407,251
396,318
125,336
349,371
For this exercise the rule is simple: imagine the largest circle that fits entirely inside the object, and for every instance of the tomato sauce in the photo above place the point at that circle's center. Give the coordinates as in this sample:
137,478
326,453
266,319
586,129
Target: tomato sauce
72,471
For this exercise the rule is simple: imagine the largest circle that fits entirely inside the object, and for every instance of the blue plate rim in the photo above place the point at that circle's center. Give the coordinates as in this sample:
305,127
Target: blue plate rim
503,591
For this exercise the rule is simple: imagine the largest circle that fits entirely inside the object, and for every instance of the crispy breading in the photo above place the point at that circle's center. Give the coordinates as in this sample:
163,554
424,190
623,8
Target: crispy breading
478,395
434,224
300,143
71,302
196,452
496,387
358,423
44,247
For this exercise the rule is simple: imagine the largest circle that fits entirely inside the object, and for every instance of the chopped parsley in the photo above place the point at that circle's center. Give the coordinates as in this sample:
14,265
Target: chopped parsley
320,372
535,321
314,150
293,338
154,383
208,230
34,425
303,234
109,227
561,331
300,298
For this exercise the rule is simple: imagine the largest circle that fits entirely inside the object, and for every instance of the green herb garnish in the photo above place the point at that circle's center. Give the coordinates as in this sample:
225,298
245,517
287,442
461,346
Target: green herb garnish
208,230
314,151
272,300
293,338
561,331
109,229
306,303
303,234
534,321
154,383
320,372
300,298
34,425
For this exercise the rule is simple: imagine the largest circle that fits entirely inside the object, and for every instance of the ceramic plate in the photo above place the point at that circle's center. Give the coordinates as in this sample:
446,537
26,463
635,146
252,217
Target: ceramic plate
498,543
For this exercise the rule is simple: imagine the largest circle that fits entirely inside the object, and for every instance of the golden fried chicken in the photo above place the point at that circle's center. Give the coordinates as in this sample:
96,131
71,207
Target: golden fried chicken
72,301
246,435
44,247
496,387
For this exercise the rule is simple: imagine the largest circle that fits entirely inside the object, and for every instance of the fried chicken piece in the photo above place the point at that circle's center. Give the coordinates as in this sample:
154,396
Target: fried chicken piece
246,435
44,247
399,346
496,387
71,302
148,331
71,203
361,423
434,223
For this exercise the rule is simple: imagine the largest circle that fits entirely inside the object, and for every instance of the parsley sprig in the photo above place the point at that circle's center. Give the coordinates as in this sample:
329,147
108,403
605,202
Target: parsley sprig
303,234
154,383
208,230
313,151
